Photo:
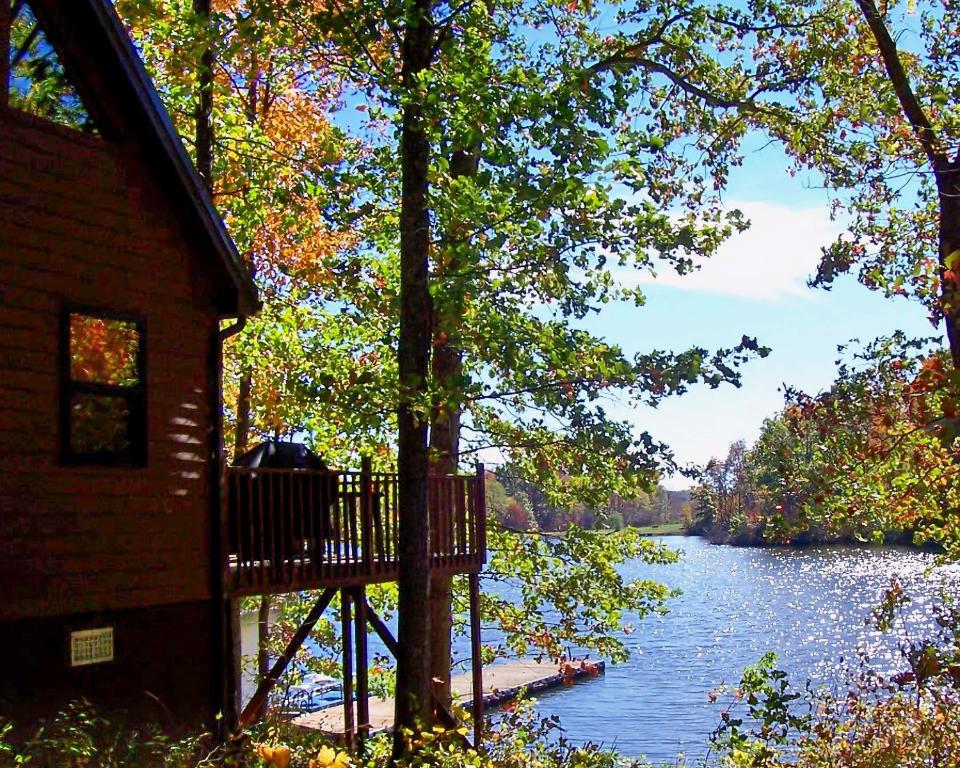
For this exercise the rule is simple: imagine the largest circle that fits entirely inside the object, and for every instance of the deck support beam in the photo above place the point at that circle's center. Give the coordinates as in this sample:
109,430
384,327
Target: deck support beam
383,632
363,688
476,660
255,705
442,713
346,632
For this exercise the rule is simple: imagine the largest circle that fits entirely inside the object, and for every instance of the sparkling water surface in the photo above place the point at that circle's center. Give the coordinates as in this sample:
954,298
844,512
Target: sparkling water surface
808,605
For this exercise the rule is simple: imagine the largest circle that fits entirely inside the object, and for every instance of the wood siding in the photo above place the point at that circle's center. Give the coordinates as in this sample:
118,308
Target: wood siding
84,221
164,670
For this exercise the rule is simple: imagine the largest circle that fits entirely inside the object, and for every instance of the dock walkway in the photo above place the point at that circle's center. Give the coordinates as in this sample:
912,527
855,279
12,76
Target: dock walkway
501,683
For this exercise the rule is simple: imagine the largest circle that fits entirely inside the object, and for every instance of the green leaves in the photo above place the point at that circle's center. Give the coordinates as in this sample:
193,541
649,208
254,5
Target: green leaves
875,117
876,454
552,176
566,590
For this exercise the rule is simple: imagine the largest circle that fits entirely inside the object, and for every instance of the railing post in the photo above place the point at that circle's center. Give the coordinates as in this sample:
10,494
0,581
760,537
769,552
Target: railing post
366,512
481,512
461,491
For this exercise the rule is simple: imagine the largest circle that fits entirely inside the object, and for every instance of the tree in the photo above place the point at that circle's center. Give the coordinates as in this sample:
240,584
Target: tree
413,696
512,512
875,454
883,448
885,139
582,167
548,174
306,361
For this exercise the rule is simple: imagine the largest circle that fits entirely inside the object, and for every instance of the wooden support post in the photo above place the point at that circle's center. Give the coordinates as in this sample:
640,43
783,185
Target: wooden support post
363,689
476,662
233,674
366,512
255,704
345,636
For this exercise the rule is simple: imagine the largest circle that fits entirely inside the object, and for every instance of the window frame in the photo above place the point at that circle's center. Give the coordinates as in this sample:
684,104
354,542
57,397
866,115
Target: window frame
135,396
6,18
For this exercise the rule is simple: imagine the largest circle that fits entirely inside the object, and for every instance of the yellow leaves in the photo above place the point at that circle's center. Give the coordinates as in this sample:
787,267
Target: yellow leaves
296,122
278,756
225,6
328,757
305,248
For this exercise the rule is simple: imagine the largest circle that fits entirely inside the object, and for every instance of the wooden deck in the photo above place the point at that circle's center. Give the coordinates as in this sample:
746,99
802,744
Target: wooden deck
295,529
502,683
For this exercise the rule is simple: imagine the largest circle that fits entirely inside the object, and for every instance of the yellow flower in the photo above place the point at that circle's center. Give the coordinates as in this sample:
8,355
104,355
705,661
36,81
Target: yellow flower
278,756
328,757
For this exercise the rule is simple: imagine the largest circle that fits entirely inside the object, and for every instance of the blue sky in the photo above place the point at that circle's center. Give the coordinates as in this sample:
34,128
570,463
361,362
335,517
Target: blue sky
754,286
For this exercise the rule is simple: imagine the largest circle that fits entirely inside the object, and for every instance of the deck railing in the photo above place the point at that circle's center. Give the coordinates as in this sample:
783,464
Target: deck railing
291,529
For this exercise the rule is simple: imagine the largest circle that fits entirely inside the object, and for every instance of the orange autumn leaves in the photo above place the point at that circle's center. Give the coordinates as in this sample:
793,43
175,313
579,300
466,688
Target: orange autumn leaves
276,159
891,438
273,141
103,350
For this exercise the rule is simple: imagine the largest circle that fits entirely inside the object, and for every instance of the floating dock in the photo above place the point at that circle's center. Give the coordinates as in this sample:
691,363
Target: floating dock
502,683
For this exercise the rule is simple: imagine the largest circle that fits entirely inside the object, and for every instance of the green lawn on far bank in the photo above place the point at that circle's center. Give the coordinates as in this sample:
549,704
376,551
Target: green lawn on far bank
664,529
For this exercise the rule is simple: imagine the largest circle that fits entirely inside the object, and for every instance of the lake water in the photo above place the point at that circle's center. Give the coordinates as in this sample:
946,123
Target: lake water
809,605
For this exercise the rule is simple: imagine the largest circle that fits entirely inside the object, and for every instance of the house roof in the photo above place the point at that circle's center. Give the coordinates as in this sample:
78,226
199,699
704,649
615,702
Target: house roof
101,59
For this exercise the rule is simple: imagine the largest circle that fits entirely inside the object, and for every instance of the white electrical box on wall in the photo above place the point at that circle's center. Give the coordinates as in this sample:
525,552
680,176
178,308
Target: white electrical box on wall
91,646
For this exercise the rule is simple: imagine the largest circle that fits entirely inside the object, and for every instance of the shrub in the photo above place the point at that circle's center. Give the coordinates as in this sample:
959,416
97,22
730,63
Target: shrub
79,737
909,719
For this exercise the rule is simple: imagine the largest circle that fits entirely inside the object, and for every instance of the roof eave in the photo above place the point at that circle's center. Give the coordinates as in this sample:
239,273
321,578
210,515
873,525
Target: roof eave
248,302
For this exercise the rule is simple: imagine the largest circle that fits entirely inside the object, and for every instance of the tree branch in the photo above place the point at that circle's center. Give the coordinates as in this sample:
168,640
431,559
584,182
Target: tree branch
929,140
630,57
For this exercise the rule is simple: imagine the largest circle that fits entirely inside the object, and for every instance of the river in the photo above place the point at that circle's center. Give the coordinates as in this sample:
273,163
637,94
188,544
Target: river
809,605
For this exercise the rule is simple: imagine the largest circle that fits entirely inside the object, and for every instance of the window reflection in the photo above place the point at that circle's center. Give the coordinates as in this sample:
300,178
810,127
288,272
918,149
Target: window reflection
104,420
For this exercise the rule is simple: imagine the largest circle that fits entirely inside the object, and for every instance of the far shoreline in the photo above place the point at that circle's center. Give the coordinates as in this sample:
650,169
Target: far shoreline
721,537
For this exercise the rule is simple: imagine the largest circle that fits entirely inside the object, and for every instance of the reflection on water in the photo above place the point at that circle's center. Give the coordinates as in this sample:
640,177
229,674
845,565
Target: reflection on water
808,605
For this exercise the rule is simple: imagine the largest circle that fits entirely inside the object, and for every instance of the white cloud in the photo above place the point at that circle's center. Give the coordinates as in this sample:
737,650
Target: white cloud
770,261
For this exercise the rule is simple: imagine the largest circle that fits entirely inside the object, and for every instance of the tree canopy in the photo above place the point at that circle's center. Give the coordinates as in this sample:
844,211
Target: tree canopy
436,197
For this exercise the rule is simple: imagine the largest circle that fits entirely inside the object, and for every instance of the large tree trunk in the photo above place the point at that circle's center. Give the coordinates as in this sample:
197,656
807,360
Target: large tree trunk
445,424
444,442
945,170
241,435
413,705
948,184
245,392
204,109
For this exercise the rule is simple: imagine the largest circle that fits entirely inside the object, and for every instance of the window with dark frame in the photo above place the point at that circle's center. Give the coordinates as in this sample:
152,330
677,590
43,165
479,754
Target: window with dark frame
103,392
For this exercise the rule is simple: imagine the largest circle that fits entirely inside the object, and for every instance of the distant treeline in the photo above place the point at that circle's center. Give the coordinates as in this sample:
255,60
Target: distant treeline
520,505
874,457
782,490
